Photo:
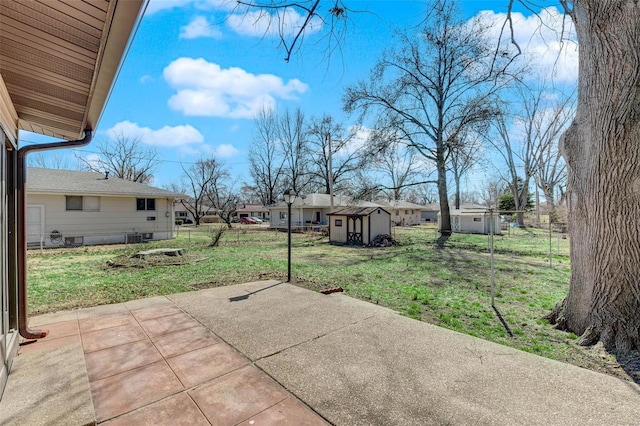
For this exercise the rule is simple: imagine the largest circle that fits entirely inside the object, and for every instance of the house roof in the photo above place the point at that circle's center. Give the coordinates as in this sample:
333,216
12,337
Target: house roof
356,211
431,207
400,204
73,182
252,208
58,60
324,201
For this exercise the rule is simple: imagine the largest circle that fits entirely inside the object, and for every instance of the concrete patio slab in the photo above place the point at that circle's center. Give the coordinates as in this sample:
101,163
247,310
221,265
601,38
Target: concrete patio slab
286,354
356,363
273,317
48,388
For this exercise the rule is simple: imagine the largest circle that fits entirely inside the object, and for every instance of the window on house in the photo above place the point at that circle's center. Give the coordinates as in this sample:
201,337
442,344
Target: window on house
91,204
145,203
406,212
477,219
397,212
74,202
283,215
82,203
338,222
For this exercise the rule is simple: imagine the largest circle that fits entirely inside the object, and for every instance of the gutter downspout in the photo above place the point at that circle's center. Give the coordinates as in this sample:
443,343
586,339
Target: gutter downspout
21,187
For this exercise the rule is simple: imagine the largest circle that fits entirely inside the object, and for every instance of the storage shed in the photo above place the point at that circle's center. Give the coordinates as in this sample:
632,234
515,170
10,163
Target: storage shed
473,220
358,225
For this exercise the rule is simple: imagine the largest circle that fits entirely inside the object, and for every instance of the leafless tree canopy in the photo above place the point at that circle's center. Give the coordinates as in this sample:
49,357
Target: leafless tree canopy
126,157
55,161
433,87
332,15
332,155
197,182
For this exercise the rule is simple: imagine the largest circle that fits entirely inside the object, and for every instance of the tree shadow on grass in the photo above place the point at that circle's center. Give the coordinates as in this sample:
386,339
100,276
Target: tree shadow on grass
442,241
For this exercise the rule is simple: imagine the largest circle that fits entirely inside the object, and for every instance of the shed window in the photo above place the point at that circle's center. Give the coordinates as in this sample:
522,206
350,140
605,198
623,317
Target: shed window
477,219
338,222
283,215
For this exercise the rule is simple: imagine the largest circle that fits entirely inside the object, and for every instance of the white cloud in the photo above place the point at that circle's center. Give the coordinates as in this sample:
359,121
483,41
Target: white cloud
166,136
206,89
200,27
547,40
226,151
261,23
158,5
145,78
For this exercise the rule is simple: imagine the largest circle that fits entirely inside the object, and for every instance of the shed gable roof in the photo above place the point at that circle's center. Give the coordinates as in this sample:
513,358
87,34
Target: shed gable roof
73,182
356,211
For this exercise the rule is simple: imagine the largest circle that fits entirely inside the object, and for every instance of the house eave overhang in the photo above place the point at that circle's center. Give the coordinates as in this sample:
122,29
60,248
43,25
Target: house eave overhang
59,60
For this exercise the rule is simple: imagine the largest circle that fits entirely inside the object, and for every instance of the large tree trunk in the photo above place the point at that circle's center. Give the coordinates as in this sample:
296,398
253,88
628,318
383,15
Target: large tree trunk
445,217
602,150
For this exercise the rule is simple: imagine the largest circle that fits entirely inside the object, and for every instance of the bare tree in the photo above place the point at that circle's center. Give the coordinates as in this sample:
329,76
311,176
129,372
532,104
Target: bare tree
551,169
395,161
266,158
49,161
276,13
332,154
433,87
295,148
222,196
525,139
422,194
196,184
519,161
466,153
125,157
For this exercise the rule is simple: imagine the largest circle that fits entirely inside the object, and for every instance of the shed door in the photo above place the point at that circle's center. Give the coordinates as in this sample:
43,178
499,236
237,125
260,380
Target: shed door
35,223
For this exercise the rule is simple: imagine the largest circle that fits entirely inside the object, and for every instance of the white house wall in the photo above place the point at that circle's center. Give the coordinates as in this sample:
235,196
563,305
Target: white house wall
116,218
406,217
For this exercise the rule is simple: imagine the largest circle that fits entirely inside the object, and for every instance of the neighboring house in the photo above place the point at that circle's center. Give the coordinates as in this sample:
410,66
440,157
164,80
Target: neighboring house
58,63
358,225
72,208
311,210
403,213
181,212
473,219
252,210
430,212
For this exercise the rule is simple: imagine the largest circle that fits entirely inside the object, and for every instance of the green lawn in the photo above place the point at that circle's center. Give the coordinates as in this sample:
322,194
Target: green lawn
447,284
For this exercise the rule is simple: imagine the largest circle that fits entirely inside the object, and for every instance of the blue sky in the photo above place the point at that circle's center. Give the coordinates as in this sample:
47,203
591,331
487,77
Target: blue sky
197,73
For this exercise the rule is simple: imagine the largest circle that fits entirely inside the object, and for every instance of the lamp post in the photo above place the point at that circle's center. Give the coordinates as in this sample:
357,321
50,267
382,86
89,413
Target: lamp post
289,198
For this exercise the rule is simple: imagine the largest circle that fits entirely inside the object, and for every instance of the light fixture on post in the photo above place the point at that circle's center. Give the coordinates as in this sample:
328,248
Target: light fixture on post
289,198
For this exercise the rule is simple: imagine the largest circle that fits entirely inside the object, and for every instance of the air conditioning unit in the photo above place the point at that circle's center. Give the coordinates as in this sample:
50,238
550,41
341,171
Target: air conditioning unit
73,241
134,238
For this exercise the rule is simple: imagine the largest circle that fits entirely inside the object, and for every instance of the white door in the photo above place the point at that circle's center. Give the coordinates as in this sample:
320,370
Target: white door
35,223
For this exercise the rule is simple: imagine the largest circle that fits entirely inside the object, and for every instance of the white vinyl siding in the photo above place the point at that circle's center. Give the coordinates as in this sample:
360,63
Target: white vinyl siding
117,215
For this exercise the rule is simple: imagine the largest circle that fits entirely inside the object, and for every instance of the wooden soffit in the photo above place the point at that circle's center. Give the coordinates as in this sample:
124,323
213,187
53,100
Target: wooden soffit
59,60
